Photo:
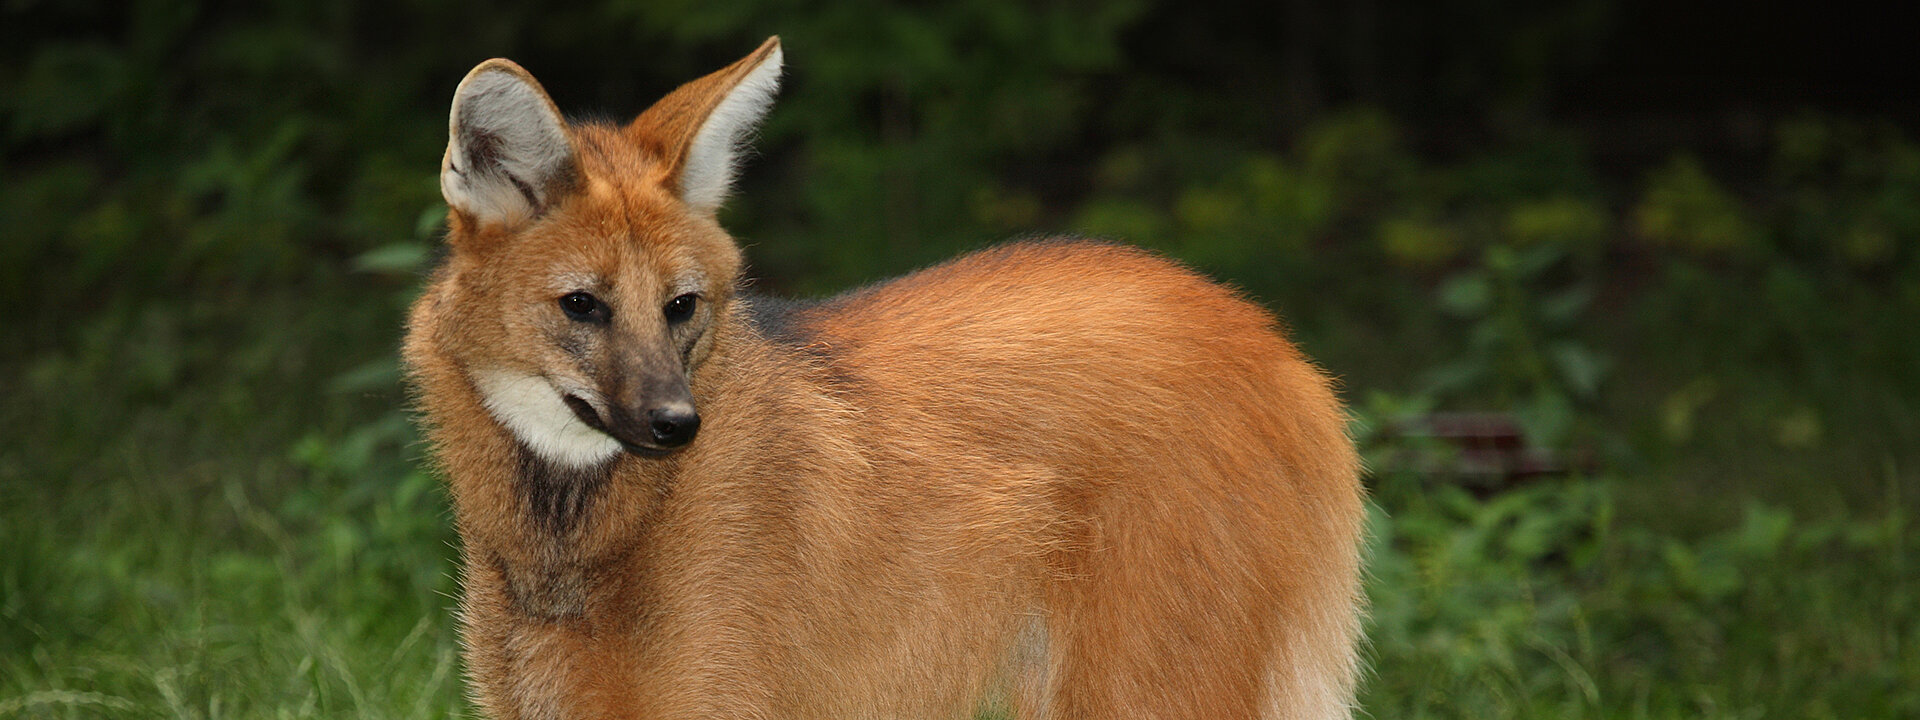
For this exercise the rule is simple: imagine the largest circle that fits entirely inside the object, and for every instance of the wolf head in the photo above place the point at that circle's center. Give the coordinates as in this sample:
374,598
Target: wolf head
588,271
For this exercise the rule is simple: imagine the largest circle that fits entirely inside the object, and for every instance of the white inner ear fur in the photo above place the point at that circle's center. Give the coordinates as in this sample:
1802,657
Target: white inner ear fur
506,146
531,407
715,153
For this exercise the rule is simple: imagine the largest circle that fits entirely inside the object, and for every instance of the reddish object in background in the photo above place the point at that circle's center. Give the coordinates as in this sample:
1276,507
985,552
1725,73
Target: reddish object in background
1485,449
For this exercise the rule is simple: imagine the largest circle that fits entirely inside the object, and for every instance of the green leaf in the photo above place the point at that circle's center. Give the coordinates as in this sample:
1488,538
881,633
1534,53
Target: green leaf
1547,418
1467,295
381,374
430,221
1582,368
402,257
1566,306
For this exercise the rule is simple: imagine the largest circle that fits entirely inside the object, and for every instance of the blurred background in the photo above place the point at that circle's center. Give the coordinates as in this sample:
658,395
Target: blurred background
1623,296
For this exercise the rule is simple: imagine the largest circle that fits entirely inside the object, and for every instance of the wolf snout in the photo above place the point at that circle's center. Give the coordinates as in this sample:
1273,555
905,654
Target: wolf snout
673,425
647,431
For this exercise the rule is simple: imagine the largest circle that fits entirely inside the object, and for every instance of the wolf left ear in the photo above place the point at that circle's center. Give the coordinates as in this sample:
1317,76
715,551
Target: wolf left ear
508,155
701,128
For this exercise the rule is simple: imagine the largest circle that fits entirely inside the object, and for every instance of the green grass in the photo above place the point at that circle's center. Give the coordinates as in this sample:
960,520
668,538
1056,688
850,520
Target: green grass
1546,602
258,547
214,510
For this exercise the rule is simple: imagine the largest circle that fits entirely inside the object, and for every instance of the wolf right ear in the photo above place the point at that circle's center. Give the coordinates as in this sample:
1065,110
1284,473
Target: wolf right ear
508,156
699,130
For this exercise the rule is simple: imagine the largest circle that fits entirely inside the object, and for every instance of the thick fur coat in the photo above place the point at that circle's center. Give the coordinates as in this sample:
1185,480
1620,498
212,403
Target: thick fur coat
1070,478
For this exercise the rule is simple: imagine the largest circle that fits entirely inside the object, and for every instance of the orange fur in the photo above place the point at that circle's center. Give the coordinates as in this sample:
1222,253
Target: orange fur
1072,476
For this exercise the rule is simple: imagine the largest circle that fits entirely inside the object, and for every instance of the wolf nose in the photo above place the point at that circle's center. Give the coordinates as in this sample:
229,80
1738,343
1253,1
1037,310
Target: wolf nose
673,425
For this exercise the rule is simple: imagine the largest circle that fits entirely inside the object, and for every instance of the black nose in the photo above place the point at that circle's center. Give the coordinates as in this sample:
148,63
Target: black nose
673,425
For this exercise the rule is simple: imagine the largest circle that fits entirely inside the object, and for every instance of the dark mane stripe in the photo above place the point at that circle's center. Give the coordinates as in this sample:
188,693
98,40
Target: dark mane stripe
776,318
558,497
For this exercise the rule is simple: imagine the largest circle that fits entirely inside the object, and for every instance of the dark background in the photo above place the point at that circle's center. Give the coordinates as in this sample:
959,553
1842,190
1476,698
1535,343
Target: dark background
1622,295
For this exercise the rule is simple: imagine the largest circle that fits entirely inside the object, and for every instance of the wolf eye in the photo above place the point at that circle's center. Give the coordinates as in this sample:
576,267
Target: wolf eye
680,308
583,307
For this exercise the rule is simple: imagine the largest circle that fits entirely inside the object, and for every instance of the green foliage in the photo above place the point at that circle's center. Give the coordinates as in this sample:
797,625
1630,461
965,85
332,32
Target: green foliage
1522,350
1849,189
1546,602
256,546
1423,243
1684,208
1567,222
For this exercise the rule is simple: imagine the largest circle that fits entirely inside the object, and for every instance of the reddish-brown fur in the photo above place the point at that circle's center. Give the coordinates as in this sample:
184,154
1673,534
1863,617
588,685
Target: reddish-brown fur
1070,475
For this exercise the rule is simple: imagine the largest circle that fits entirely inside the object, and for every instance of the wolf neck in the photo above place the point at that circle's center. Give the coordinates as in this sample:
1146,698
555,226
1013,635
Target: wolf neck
544,566
576,522
558,497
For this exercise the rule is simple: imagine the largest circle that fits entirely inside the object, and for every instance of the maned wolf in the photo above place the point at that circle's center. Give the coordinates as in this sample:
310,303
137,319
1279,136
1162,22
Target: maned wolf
1067,479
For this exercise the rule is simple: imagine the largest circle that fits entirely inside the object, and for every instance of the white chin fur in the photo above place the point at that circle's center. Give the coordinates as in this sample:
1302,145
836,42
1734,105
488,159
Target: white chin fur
532,408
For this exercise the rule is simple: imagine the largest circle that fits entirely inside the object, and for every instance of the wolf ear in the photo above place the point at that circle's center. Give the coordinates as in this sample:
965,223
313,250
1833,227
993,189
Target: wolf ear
701,128
508,157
